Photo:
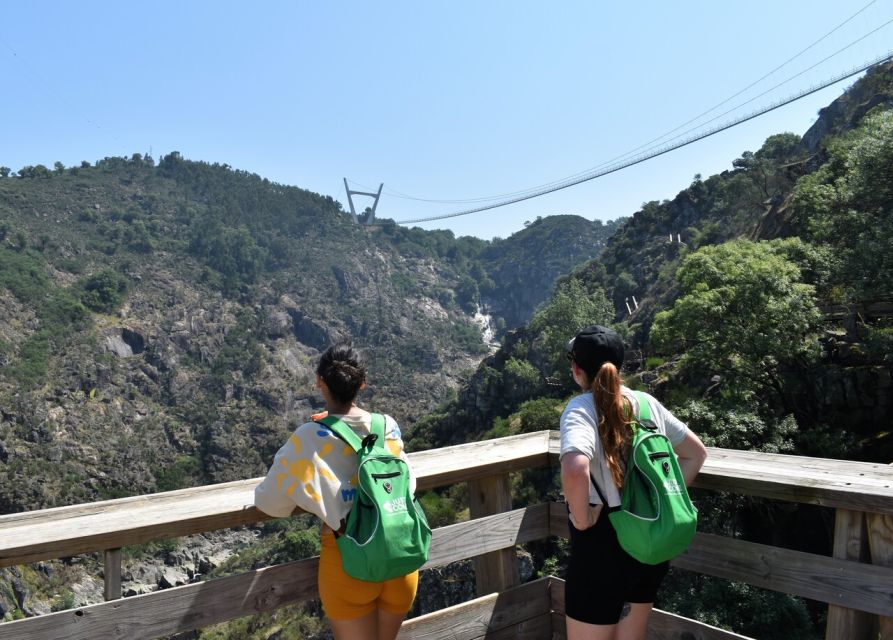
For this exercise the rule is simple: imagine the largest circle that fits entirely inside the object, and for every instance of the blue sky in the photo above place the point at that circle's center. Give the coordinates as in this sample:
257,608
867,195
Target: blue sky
441,100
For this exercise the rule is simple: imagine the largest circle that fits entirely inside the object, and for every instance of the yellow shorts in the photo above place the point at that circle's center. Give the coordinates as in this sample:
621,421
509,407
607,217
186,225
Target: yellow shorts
346,598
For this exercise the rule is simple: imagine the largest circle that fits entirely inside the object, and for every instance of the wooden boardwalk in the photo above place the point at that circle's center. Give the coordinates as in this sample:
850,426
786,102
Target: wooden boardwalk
859,593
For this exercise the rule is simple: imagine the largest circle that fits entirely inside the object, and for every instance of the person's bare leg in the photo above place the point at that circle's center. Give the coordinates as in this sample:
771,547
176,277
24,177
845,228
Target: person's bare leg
389,624
365,628
633,623
577,630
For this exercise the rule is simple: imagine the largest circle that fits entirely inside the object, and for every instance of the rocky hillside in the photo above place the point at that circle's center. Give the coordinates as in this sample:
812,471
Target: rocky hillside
523,273
159,324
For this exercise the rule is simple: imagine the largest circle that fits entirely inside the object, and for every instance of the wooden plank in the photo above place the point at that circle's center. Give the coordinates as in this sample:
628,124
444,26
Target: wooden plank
503,531
498,570
112,574
464,462
67,531
880,541
558,523
661,626
199,605
175,610
482,616
668,626
850,543
854,585
556,592
846,583
533,629
861,486
559,626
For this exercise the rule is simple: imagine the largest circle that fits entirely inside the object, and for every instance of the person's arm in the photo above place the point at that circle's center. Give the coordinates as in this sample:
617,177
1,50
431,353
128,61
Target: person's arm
575,484
692,454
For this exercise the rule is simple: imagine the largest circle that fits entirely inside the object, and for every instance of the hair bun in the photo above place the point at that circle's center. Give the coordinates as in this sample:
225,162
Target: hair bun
345,367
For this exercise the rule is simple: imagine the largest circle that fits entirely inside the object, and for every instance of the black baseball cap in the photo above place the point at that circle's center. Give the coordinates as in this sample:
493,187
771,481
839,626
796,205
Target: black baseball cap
594,346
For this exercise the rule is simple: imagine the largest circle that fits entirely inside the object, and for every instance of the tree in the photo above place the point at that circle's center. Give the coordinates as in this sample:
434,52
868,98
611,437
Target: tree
468,294
570,309
59,168
4,172
848,205
745,314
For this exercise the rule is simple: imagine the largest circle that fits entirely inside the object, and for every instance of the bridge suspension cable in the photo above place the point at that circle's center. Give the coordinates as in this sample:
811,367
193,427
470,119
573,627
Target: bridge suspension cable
403,196
591,175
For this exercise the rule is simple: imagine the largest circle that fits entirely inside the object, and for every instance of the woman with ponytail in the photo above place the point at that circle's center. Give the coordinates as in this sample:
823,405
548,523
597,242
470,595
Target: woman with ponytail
609,594
317,472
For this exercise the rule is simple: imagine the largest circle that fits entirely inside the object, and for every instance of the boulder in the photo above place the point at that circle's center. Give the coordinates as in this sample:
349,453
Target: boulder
172,577
278,324
115,344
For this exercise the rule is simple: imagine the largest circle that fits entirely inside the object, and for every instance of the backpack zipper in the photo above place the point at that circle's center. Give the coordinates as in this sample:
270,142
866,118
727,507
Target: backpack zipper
382,476
658,455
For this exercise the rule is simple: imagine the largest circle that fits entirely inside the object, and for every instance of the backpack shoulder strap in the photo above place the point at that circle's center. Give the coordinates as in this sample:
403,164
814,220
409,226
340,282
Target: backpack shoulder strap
378,427
644,412
642,415
340,429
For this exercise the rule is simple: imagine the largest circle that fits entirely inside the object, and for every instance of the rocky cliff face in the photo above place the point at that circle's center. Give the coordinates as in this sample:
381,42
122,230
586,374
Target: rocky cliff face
525,266
160,326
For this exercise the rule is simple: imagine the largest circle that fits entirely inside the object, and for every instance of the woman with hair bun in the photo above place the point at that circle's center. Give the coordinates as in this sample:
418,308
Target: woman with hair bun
317,472
609,594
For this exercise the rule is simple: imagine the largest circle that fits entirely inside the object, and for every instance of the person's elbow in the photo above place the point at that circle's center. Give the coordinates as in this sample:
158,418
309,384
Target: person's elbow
692,455
574,468
700,454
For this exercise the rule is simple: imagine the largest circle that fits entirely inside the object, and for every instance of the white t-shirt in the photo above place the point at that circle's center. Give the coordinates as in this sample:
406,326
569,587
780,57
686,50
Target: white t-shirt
316,471
579,433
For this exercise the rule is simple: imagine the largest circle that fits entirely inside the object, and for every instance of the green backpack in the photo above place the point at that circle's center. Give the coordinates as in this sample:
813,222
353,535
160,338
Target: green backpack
386,534
656,520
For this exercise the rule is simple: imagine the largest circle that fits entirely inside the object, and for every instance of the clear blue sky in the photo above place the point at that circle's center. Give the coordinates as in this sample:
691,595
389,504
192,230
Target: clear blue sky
444,100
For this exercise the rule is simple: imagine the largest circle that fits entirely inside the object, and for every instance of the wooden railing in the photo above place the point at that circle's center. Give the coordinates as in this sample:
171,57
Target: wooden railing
856,591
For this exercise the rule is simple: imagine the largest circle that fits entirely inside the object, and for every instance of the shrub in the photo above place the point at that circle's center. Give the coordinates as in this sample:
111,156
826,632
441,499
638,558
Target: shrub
301,544
104,291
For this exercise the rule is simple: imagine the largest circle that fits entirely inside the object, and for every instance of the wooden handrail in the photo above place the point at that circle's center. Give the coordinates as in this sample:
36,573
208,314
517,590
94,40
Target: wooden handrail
843,484
67,531
109,525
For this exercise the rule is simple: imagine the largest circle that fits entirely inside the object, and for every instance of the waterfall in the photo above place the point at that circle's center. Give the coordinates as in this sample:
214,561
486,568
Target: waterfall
485,322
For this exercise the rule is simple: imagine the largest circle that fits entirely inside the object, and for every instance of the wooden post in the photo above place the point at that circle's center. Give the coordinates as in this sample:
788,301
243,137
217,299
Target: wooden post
850,543
496,571
112,574
880,542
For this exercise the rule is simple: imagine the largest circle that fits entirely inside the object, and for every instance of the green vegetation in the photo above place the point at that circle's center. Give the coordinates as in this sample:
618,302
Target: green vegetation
104,292
744,314
733,335
231,281
846,205
570,309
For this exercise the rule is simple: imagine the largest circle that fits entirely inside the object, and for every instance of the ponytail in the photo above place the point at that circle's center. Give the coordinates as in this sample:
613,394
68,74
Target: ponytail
614,418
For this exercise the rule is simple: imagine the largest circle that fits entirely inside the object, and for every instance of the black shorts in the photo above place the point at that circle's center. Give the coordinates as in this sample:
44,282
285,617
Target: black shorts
601,576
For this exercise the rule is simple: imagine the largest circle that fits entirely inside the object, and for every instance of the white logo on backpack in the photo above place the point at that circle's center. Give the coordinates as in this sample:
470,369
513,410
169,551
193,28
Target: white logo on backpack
672,487
397,505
